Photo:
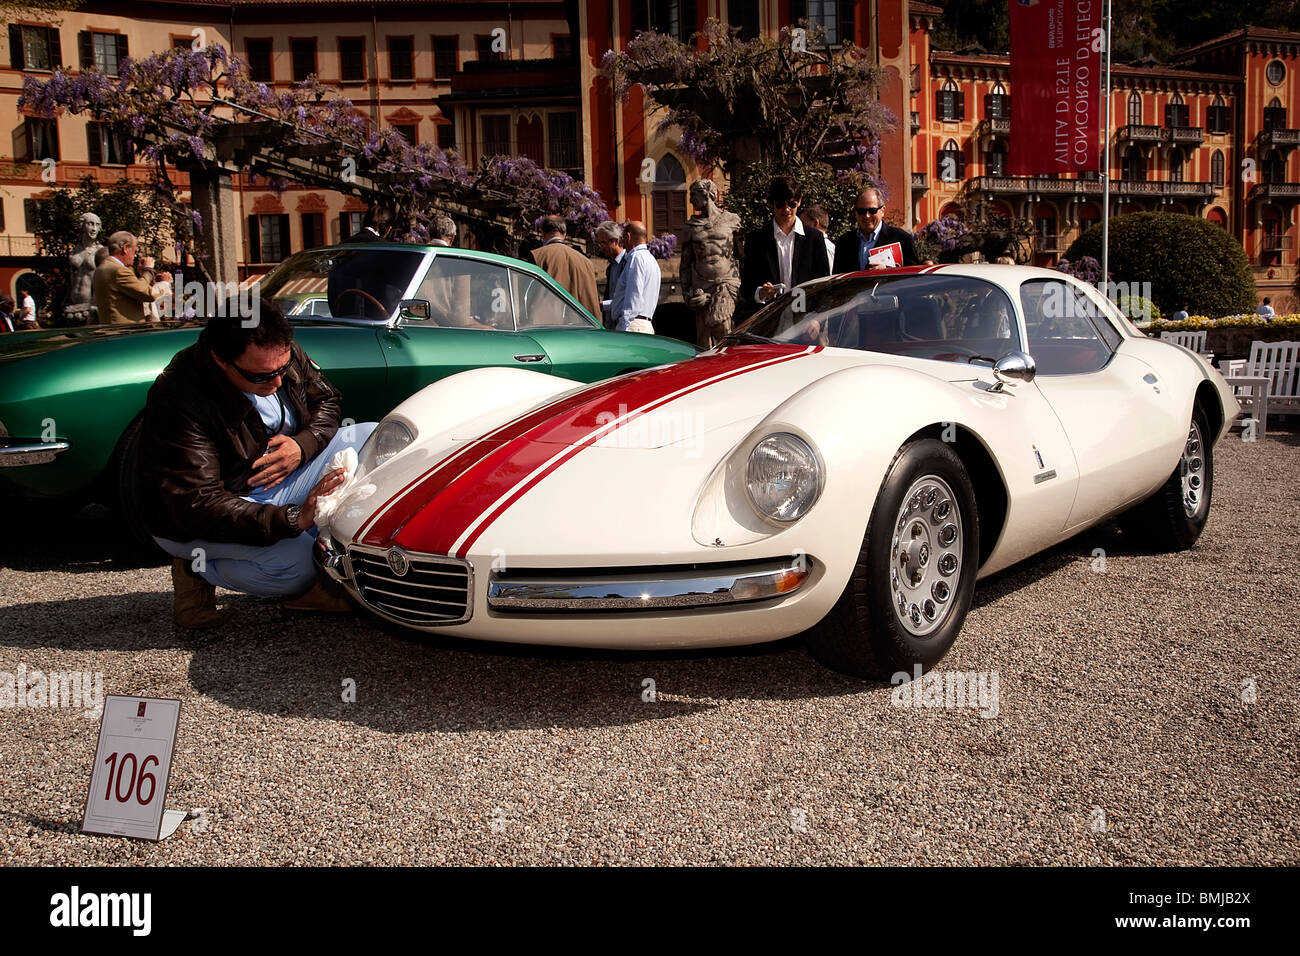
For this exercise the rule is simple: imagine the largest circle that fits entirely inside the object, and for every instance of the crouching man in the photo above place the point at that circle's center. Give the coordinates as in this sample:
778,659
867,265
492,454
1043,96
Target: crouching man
238,432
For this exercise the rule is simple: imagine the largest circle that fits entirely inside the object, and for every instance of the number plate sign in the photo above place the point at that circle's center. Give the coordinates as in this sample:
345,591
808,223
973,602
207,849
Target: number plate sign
132,764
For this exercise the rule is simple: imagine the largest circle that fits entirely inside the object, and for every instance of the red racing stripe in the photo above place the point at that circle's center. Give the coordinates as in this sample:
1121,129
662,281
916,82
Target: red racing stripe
566,419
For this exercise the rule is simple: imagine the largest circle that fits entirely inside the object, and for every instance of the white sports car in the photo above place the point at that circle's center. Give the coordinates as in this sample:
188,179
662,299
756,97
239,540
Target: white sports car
848,463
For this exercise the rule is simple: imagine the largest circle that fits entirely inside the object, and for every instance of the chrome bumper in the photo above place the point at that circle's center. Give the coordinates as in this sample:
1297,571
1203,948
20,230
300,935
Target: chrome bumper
16,454
647,589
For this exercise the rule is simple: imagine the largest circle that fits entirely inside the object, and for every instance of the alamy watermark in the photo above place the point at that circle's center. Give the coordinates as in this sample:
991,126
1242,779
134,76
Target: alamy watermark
71,690
977,690
208,299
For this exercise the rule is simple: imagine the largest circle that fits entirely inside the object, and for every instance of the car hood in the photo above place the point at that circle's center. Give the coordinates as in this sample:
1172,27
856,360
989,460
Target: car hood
656,435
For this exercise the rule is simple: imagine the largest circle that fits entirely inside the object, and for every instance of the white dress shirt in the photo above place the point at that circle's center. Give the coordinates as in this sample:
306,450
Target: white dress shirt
639,285
785,249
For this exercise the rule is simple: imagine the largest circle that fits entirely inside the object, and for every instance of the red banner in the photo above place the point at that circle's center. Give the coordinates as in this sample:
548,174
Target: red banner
1055,86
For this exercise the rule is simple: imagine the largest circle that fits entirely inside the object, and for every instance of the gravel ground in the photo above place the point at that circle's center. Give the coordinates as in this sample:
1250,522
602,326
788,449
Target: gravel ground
1122,735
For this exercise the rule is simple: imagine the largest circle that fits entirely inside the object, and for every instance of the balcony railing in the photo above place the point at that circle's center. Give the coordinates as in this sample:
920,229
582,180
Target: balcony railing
1275,191
920,182
1141,134
1019,185
17,245
1186,135
993,127
1048,243
1285,138
1273,243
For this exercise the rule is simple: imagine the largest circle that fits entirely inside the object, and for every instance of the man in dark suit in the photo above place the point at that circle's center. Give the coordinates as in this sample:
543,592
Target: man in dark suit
376,226
853,249
779,252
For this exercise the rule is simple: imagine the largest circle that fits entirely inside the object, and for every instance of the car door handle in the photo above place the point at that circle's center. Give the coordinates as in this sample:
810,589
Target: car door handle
531,358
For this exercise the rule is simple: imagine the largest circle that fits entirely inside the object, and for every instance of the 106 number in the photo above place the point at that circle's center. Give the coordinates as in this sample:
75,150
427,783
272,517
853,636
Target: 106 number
135,784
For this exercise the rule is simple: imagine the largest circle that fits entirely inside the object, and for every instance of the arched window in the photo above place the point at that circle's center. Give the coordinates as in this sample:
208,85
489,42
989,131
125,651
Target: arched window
1218,217
1216,168
1176,113
1134,167
995,158
1176,165
950,103
997,105
1217,116
951,163
1134,109
1274,115
669,199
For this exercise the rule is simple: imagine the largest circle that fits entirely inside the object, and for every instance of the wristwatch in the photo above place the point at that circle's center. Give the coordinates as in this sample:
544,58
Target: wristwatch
292,513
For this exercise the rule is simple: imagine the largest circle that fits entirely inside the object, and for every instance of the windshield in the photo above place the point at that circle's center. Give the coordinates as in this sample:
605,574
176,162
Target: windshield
356,283
949,318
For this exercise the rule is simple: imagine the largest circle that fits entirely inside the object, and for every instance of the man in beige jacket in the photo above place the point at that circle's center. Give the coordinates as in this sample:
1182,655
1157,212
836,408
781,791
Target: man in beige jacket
566,265
120,296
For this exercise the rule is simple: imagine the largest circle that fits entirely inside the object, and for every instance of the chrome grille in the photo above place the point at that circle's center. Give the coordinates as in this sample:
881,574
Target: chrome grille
435,590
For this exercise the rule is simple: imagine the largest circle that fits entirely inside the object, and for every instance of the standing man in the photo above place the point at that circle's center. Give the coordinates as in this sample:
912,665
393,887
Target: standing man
640,280
779,255
853,249
121,297
238,431
815,219
566,265
609,237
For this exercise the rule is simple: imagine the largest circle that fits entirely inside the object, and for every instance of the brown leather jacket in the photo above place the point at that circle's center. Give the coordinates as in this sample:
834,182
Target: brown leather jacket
200,438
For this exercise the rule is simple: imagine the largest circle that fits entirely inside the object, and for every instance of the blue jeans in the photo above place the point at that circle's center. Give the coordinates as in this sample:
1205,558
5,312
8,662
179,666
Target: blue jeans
282,569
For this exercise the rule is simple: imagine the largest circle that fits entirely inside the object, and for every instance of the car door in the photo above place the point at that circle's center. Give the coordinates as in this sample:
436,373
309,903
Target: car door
576,346
471,325
353,360
1098,392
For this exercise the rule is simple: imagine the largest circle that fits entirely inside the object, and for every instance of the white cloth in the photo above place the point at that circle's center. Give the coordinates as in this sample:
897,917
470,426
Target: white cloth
640,286
830,252
27,312
327,505
641,325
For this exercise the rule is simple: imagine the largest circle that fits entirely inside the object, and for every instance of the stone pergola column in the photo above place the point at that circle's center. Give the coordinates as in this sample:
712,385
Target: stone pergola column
212,196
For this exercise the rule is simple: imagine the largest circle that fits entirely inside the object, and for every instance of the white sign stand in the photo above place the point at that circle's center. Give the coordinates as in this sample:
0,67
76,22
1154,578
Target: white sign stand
133,763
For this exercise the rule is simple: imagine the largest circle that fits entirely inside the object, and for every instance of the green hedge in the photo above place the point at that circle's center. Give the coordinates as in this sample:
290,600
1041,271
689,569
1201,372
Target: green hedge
1185,258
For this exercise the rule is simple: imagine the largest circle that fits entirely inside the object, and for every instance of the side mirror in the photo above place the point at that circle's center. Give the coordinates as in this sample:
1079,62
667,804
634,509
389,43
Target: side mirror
414,310
1014,367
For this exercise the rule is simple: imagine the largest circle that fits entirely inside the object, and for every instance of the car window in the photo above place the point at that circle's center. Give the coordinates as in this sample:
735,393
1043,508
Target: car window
1060,321
358,283
947,318
466,293
540,306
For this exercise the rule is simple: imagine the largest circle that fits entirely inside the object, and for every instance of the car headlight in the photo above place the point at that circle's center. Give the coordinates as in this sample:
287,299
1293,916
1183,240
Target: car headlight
784,477
384,442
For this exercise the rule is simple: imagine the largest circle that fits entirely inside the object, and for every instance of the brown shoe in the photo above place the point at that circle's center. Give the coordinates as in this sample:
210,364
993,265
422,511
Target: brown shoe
324,595
195,602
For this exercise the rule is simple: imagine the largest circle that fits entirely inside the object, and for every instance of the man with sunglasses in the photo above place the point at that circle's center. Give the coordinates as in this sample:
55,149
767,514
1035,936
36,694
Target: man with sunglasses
237,434
853,250
779,255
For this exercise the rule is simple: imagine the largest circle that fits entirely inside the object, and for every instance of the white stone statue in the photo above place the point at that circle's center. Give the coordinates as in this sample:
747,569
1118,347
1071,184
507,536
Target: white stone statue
79,303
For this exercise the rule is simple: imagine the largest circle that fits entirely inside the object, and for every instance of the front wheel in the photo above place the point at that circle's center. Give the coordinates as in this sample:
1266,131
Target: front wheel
1174,517
915,575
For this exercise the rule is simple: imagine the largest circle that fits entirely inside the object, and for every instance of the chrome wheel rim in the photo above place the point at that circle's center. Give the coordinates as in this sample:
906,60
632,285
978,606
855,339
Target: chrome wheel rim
925,556
1191,469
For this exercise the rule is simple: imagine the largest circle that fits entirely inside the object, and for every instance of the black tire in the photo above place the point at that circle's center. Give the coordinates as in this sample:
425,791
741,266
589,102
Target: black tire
122,474
864,635
1167,521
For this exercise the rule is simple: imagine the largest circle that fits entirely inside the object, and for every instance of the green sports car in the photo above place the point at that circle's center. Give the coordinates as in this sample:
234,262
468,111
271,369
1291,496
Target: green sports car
382,319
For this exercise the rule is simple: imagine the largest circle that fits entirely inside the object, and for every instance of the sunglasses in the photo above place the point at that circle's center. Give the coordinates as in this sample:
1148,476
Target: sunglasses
261,378
867,210
788,204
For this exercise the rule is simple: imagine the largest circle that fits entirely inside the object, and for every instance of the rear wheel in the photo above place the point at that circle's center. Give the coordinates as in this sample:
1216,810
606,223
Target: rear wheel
1174,517
915,576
